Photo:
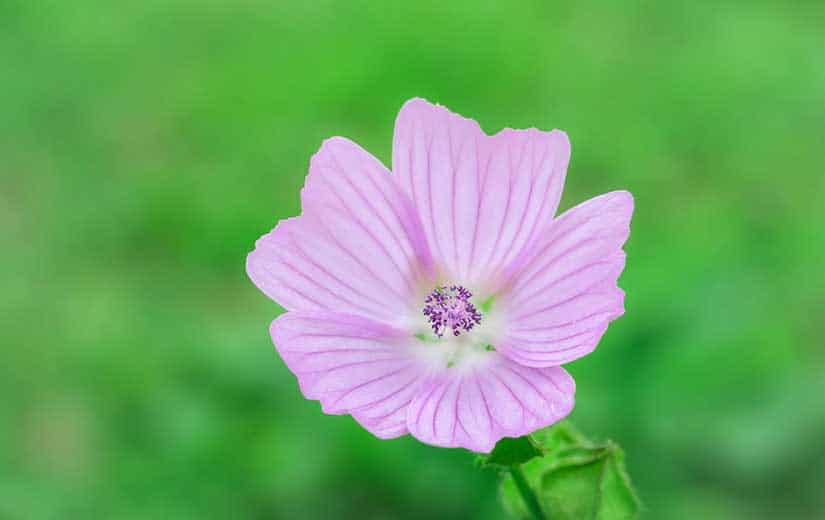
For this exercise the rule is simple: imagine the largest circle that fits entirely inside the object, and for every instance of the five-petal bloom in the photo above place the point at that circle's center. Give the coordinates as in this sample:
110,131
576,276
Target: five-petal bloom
442,298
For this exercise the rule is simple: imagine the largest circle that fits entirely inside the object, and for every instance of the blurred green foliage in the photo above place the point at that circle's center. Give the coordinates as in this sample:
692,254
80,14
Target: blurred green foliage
144,146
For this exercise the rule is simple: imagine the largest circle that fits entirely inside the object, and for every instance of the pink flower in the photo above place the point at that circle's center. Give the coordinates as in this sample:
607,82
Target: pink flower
441,299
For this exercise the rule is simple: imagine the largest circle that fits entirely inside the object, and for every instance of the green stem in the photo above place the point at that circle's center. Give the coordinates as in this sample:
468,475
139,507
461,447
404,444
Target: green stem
527,493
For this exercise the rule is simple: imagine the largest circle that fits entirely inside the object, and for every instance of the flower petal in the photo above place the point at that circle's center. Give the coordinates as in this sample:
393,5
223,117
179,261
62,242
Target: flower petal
352,365
476,407
563,291
480,199
357,248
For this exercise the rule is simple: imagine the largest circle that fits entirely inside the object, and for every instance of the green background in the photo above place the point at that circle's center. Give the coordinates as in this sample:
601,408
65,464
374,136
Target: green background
144,146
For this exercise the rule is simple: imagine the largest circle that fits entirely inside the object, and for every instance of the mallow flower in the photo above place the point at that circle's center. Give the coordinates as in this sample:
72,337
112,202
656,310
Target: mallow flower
441,298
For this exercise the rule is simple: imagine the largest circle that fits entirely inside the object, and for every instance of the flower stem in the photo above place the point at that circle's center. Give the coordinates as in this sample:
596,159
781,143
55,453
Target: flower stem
527,493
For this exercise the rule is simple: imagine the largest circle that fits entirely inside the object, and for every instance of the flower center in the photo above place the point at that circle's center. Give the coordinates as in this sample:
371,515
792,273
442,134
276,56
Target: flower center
449,307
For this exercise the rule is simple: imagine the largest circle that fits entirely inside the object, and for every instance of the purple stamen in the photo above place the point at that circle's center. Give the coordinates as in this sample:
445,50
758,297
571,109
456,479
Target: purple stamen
450,307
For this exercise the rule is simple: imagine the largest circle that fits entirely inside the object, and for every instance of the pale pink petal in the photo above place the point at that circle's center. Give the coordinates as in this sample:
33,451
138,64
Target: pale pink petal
480,199
562,291
351,365
357,248
474,407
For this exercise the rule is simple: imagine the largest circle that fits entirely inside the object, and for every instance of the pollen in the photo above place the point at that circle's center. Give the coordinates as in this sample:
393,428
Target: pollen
449,308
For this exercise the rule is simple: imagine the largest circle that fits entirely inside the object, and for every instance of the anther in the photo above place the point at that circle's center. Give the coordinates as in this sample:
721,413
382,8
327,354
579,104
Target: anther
449,307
